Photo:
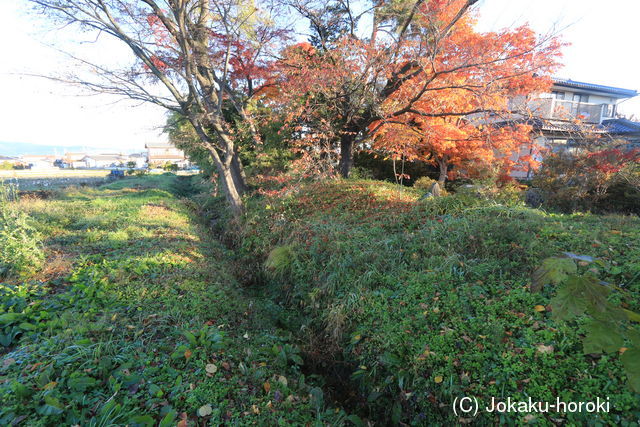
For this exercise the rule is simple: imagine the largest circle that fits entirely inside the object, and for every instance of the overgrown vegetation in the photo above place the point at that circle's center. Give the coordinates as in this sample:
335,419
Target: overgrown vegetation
20,245
601,179
136,319
414,303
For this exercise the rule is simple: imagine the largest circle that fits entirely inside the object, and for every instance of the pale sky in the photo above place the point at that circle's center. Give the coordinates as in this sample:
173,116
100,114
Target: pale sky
604,49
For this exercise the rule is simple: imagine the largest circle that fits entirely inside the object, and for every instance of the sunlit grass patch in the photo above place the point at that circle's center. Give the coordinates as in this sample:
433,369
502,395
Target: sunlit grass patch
133,308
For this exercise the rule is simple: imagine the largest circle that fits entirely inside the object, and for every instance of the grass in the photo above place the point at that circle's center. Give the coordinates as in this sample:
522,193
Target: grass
136,319
346,303
414,303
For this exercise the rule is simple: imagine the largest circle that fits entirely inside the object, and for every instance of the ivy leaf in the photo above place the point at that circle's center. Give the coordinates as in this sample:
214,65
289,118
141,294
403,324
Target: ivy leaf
631,363
552,270
601,337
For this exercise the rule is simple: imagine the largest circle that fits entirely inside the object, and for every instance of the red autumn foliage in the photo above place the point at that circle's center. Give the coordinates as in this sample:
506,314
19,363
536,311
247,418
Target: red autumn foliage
430,79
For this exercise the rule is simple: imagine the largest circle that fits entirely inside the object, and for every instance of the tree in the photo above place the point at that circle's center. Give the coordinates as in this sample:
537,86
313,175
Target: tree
599,175
412,59
197,58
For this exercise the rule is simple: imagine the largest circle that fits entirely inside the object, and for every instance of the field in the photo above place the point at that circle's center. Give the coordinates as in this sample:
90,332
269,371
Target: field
346,303
52,179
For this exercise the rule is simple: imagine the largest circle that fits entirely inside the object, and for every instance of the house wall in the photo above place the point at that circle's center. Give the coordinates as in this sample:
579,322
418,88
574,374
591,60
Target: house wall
161,152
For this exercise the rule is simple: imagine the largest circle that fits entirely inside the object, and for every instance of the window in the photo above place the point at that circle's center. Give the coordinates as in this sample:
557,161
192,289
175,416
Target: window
579,97
557,95
608,110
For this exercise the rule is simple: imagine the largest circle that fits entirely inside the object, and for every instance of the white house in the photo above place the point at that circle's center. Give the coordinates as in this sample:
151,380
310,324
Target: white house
161,153
39,161
572,114
104,160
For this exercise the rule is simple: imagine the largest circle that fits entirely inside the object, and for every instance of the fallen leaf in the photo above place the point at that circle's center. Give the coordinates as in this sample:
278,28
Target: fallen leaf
51,385
187,354
255,409
438,379
283,380
205,410
211,368
539,308
267,387
545,349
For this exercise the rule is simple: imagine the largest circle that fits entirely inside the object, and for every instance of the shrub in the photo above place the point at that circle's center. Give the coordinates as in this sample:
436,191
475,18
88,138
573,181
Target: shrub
600,180
20,245
280,260
424,183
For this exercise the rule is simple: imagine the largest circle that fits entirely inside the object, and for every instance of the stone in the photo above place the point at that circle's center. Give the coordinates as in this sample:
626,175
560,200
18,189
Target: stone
435,190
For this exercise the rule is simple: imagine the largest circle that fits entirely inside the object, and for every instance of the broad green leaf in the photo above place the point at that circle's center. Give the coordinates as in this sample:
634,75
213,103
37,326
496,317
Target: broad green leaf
155,391
566,304
390,359
191,338
355,420
80,383
52,406
631,363
634,336
601,338
25,326
8,318
552,270
168,420
21,390
143,420
632,315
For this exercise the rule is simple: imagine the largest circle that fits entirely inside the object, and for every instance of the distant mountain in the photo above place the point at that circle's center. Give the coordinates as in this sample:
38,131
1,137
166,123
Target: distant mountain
21,148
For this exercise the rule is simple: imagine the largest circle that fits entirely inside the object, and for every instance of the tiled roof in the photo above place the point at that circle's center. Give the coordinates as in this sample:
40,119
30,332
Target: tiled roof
591,86
556,125
107,157
158,145
167,157
621,126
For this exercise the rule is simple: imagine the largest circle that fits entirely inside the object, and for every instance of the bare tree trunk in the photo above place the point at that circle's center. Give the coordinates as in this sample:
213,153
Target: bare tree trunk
346,153
238,174
444,168
232,193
